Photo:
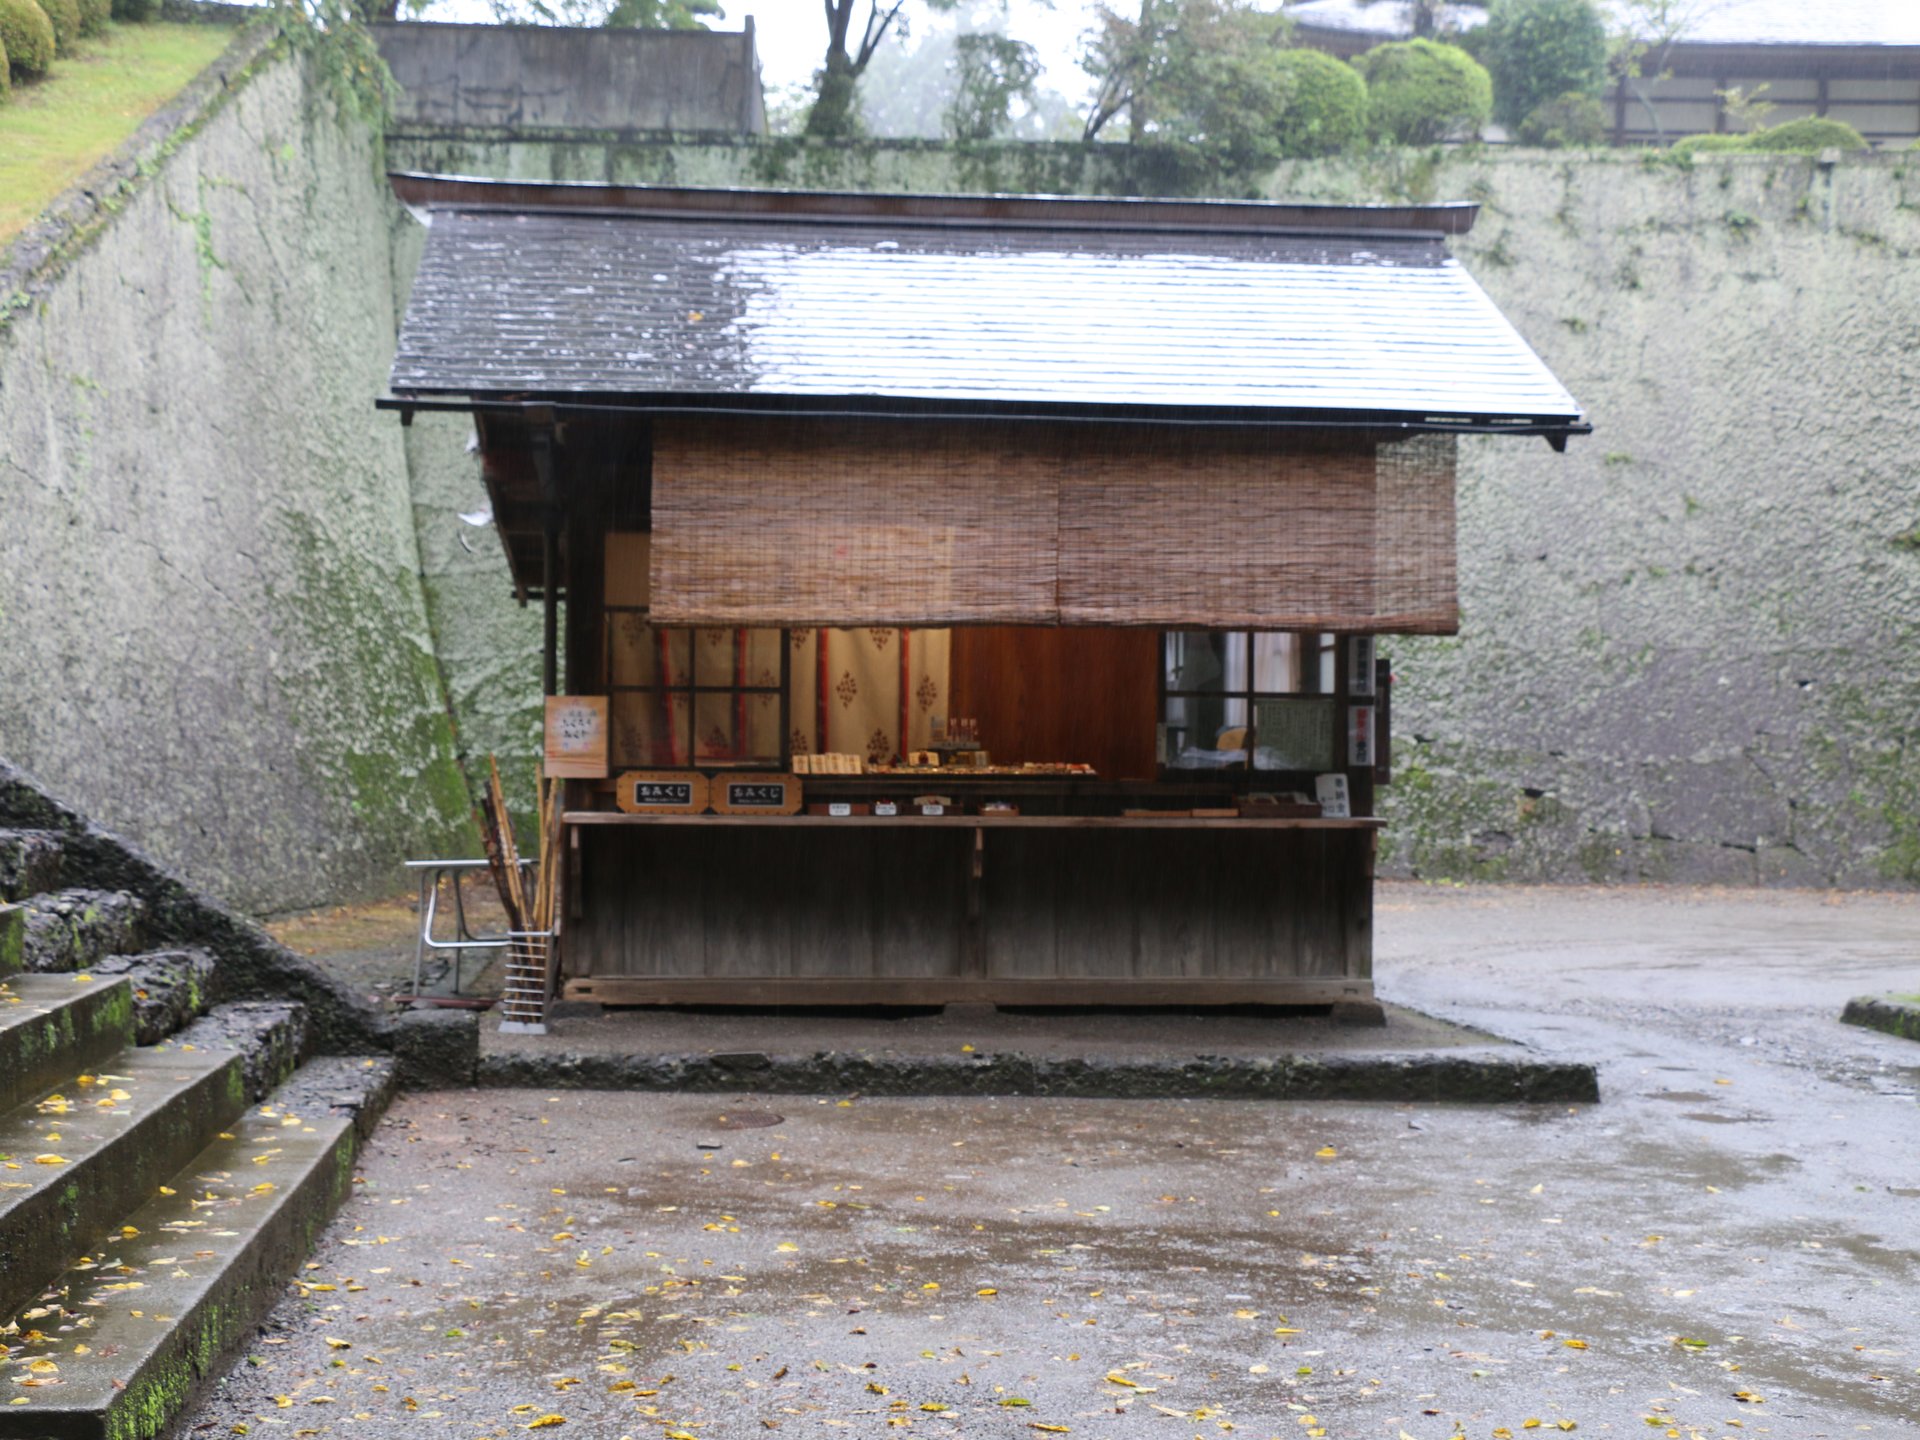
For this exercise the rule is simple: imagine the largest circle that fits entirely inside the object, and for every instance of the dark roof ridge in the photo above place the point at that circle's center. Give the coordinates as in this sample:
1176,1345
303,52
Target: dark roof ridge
464,192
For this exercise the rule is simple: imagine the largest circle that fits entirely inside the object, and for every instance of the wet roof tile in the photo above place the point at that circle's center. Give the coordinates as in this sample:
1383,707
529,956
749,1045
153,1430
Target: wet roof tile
554,304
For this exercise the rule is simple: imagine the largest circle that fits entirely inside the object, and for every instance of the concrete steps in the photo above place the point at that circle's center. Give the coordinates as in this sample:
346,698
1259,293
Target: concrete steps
51,1024
68,930
148,1215
208,1258
170,988
84,1155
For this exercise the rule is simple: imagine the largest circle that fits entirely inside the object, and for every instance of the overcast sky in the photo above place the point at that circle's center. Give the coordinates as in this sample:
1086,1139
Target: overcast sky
792,34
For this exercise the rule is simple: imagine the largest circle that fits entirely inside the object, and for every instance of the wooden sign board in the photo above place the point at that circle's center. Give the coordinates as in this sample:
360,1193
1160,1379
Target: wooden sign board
661,792
576,747
755,794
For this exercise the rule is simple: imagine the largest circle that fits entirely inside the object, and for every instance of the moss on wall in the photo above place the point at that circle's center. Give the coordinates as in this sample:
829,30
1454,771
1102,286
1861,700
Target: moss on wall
215,638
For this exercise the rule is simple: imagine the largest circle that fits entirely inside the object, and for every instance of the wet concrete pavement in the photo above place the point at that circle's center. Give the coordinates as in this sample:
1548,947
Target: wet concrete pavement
1728,1245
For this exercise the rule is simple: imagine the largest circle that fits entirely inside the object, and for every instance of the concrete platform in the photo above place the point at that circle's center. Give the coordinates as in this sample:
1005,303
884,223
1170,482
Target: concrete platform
983,1051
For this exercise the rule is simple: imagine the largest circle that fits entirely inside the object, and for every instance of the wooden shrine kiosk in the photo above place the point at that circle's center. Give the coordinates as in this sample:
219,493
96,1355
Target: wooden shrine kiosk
965,598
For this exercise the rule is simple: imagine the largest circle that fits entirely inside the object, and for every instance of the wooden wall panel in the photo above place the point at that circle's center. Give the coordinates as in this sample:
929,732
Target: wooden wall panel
1079,695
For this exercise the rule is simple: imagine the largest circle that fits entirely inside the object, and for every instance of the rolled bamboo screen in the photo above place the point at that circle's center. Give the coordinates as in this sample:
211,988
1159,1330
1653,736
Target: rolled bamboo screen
931,524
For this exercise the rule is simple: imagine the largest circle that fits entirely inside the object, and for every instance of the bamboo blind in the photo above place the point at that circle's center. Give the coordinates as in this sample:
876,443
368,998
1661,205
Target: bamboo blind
767,522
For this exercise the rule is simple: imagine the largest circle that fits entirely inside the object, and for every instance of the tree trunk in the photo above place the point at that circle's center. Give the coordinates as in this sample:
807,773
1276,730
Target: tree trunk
835,115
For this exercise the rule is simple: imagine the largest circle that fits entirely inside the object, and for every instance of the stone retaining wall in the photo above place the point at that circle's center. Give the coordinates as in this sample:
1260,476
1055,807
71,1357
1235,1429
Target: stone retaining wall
214,635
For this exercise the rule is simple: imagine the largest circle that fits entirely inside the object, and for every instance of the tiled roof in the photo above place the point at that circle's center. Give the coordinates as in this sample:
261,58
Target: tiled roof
1710,22
774,312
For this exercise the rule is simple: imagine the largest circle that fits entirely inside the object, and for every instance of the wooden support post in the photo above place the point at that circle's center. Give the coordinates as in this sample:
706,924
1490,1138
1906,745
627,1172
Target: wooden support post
974,957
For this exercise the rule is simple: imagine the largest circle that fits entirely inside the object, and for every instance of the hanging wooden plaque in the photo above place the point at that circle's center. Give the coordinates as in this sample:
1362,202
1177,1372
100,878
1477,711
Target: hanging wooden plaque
755,794
661,792
576,739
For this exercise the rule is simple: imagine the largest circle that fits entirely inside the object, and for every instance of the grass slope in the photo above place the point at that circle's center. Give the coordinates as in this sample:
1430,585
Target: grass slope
88,105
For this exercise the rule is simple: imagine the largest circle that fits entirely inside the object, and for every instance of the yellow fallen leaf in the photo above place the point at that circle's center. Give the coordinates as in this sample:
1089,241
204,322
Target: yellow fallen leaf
1574,1344
1052,1429
1326,1152
49,1159
1566,1425
285,1402
1114,1377
548,1420
986,1290
43,1367
334,1344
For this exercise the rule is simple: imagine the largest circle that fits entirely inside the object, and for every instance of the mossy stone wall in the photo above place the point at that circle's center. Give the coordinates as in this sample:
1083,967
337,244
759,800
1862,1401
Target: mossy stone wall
212,632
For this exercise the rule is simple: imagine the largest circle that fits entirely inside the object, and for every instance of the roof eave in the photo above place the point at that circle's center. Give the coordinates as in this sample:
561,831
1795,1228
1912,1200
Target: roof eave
850,407
426,192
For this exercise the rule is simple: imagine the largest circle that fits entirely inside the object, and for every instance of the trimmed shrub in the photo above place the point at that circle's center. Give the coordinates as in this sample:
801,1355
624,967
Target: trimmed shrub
6,75
1420,91
65,18
136,11
94,15
1807,136
1571,120
27,35
1326,104
1537,50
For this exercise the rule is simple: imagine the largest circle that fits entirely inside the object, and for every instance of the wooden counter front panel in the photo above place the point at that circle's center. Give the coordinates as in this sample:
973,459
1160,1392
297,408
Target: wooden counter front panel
759,902
1207,904
754,900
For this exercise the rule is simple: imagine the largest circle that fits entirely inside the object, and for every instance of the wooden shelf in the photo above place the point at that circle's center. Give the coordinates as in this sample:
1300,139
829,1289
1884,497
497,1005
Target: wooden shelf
979,822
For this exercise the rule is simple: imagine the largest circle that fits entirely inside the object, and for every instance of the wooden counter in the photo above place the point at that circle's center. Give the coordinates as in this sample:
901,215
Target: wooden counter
1011,909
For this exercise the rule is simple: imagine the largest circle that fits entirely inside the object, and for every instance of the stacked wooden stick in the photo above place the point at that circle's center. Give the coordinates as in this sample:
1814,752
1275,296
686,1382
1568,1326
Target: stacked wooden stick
527,914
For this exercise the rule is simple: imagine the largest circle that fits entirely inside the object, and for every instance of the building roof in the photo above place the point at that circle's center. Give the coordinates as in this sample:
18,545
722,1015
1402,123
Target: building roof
996,305
1709,22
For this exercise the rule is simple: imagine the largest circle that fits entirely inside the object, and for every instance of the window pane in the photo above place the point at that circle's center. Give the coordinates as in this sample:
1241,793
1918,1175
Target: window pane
1276,662
651,731
716,653
763,660
1205,733
736,729
1205,661
1294,734
640,654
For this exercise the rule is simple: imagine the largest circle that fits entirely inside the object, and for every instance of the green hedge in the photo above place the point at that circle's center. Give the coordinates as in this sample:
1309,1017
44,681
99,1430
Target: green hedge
6,74
65,17
27,35
94,15
1326,104
1420,91
1810,135
1807,136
